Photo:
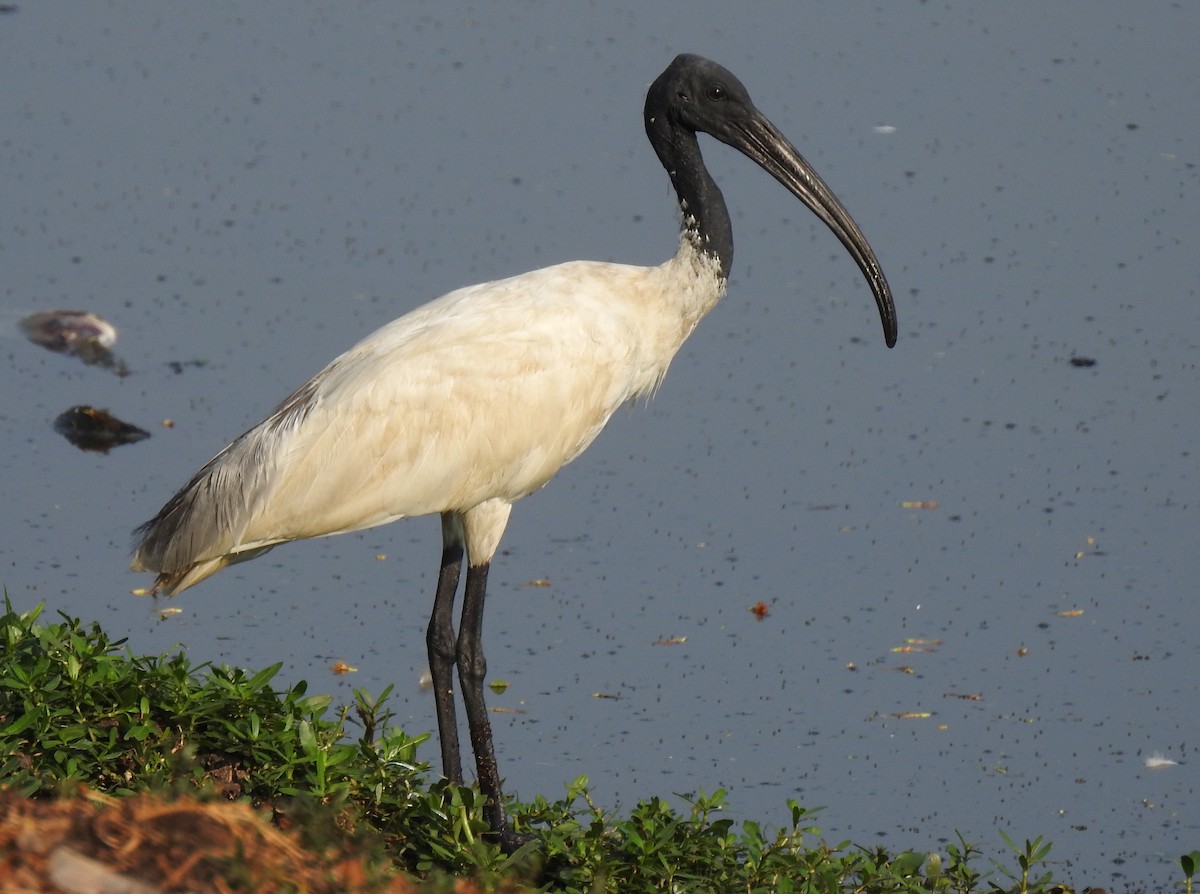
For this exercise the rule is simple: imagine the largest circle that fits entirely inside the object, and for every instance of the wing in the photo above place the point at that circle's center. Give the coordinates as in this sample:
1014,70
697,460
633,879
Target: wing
482,394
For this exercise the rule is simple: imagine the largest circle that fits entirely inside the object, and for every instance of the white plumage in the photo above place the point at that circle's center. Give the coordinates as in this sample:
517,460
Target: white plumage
481,395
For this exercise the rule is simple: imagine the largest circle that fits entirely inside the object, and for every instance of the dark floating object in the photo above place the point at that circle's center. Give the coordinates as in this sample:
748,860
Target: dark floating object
91,429
76,332
178,366
1083,361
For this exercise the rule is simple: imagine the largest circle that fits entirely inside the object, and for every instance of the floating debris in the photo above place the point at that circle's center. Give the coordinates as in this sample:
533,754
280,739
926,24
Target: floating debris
1083,361
341,668
759,610
918,504
498,686
917,644
66,331
1156,761
76,332
671,641
91,429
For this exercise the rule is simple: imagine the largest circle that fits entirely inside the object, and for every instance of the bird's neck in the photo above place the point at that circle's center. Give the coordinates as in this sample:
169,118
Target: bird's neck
705,217
674,298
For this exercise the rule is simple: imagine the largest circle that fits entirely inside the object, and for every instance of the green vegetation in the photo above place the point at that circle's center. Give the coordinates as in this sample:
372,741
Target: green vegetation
77,708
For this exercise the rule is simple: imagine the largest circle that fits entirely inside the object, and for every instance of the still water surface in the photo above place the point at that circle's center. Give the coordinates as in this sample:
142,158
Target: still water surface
246,191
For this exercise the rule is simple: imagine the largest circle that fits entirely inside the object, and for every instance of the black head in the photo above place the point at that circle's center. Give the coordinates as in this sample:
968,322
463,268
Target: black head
695,94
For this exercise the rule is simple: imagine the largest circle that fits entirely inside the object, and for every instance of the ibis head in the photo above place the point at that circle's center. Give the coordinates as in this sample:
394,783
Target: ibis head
695,94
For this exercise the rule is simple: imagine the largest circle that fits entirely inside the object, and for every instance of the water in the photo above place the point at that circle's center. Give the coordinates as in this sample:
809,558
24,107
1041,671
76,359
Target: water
248,191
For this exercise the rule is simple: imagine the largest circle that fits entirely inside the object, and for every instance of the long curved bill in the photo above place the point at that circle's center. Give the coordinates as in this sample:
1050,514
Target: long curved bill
760,140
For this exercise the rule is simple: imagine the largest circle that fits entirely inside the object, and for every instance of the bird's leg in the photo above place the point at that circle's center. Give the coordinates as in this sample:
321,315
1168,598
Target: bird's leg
472,668
482,527
441,643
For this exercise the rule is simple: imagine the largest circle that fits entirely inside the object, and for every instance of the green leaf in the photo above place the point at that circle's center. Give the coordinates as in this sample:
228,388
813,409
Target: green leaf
1189,862
308,740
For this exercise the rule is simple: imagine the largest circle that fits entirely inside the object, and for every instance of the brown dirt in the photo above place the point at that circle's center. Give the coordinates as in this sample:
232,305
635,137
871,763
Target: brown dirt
94,844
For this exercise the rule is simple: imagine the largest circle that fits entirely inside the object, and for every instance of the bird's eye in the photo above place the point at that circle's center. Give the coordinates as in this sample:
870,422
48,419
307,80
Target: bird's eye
716,93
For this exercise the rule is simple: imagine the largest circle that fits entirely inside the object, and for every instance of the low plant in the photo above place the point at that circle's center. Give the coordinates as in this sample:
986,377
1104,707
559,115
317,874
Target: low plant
77,707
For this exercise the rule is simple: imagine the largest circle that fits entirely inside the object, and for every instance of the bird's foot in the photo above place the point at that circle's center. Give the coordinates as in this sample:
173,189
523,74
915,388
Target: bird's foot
510,840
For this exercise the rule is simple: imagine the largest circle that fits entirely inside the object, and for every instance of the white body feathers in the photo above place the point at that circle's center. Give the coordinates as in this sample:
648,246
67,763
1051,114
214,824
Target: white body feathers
476,398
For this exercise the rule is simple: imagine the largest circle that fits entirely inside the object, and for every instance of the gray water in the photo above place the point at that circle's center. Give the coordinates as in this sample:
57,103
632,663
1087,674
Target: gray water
255,187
